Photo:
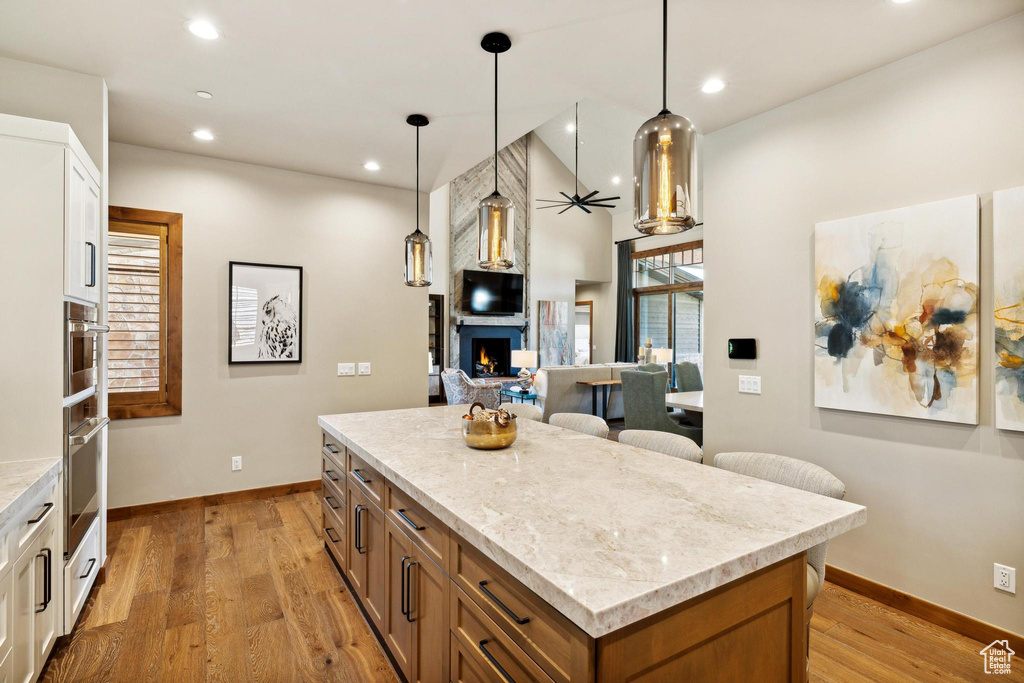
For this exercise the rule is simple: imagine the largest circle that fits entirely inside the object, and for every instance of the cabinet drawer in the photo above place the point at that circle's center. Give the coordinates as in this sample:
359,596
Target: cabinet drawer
332,494
492,654
80,573
423,528
367,479
335,452
34,517
334,533
332,471
560,647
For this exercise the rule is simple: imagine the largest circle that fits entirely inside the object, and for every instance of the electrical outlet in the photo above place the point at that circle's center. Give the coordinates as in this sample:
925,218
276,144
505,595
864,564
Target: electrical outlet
236,463
750,384
346,369
364,368
1005,578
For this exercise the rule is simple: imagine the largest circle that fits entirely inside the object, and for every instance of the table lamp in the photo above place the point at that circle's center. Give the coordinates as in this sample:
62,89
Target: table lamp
524,359
663,356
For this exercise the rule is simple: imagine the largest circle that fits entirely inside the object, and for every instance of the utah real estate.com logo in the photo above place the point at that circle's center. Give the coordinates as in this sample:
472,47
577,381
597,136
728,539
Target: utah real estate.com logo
997,657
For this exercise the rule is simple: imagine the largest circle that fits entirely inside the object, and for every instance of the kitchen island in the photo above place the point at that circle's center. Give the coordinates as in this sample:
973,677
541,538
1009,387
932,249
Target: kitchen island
566,557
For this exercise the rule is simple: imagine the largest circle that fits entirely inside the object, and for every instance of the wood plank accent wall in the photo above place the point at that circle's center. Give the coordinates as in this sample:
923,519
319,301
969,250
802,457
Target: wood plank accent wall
465,194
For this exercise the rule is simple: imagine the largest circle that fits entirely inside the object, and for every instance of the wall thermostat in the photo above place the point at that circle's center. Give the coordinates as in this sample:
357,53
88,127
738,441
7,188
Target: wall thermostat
743,349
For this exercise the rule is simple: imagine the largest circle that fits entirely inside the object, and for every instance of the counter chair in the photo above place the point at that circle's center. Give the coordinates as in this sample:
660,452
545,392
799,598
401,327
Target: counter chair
578,422
524,411
663,442
799,475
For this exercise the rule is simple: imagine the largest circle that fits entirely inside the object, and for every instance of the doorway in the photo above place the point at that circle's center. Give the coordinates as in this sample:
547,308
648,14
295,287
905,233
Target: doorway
584,326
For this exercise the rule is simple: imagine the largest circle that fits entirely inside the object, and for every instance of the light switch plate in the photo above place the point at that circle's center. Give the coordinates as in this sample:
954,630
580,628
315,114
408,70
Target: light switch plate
346,369
364,368
750,384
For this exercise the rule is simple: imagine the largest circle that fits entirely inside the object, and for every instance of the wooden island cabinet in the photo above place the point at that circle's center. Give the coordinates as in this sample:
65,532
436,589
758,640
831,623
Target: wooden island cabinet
445,610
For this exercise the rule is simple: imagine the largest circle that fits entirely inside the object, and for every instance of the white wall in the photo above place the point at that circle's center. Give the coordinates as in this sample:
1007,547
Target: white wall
944,501
349,238
566,248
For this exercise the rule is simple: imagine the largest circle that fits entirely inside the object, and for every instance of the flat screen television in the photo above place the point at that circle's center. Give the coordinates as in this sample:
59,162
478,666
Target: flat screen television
491,293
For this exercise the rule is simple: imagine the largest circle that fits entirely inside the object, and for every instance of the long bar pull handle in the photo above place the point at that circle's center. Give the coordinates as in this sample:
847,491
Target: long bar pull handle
492,660
98,424
330,475
39,517
47,555
88,570
83,328
408,588
359,529
403,602
360,476
512,615
92,265
414,525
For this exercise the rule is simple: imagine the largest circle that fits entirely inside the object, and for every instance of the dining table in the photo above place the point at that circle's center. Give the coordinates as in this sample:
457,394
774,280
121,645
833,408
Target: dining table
690,402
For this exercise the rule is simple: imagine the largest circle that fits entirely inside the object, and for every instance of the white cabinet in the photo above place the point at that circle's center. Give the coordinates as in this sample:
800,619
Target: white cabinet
35,589
23,592
82,232
80,574
48,616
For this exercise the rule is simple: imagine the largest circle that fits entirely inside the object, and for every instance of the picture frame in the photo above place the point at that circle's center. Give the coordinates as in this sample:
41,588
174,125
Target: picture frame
264,313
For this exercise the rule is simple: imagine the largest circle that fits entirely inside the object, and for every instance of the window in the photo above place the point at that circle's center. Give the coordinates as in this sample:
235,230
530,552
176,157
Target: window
144,313
668,298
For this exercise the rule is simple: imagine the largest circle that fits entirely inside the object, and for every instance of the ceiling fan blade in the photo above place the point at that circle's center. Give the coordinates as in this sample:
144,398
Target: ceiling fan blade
606,199
567,197
549,200
601,206
583,199
584,208
565,209
551,206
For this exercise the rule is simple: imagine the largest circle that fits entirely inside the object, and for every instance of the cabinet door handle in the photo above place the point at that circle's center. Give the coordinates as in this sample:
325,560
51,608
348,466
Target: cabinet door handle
492,660
331,449
92,264
330,475
359,529
401,513
47,556
92,563
515,617
39,517
329,500
408,589
360,477
328,531
403,601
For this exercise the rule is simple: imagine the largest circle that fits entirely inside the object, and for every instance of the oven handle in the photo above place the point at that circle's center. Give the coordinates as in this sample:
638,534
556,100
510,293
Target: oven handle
86,328
98,422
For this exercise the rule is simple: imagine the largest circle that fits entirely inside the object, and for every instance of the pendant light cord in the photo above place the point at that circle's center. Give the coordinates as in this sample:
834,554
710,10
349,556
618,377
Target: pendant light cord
495,123
664,56
417,178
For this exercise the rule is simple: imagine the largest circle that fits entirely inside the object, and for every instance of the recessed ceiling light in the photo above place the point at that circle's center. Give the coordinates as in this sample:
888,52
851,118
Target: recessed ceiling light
203,94
616,180
203,29
371,166
713,85
570,127
203,134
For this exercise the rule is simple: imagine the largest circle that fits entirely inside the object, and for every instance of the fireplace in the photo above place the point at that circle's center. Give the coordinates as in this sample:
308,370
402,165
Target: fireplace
491,357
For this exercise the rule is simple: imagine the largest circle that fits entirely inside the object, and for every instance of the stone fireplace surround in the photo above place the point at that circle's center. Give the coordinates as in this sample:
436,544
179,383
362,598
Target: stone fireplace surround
470,332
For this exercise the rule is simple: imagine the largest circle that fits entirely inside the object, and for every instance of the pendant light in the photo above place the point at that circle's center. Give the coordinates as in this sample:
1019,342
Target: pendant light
664,164
496,214
418,262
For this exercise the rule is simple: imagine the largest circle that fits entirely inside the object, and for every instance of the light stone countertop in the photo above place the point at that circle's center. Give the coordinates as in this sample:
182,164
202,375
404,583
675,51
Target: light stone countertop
606,533
21,480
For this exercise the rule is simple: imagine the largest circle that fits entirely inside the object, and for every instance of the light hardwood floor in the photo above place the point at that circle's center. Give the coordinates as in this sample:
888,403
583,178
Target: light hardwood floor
246,592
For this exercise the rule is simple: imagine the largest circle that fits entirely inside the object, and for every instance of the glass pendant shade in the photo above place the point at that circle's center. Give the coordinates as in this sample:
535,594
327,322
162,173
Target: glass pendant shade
418,261
665,175
497,219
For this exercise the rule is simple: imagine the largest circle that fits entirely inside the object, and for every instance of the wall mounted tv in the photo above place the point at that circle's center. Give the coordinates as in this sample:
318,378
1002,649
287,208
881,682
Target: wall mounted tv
491,293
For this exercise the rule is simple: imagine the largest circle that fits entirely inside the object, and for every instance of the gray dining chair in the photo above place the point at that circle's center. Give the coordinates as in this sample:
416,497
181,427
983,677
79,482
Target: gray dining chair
643,398
579,422
663,442
688,377
800,475
524,410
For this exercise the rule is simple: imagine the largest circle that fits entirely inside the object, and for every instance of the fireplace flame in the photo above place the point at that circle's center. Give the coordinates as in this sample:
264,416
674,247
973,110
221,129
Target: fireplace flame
484,358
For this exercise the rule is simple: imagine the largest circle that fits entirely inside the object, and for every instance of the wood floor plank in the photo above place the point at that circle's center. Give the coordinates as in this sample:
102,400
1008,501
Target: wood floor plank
260,600
355,645
89,655
157,568
191,527
267,516
227,653
184,654
123,570
143,642
188,588
250,551
272,652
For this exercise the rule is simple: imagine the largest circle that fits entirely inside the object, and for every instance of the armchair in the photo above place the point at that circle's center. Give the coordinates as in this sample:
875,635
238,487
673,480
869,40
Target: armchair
461,389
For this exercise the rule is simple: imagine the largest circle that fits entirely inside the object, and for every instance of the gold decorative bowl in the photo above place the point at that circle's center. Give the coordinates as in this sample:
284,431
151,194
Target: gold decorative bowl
492,434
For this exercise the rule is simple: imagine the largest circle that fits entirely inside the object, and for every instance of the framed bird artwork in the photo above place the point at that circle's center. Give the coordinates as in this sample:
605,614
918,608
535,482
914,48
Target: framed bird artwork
264,313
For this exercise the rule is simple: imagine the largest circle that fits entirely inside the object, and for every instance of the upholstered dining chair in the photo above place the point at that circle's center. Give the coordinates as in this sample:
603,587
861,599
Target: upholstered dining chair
643,398
799,475
460,389
579,422
663,442
524,411
688,377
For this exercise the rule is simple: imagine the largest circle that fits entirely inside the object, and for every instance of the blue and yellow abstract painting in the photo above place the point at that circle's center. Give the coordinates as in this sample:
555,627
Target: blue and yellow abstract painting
1008,275
896,312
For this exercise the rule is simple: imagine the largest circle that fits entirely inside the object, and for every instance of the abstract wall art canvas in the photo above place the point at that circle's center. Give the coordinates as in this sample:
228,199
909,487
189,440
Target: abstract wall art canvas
264,313
896,312
1008,276
554,333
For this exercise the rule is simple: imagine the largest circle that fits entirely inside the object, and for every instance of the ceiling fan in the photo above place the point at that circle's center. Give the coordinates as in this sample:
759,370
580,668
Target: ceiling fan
589,200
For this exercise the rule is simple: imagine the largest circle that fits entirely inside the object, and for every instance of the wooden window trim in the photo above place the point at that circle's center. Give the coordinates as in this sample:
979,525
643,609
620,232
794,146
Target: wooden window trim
686,246
681,287
125,405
